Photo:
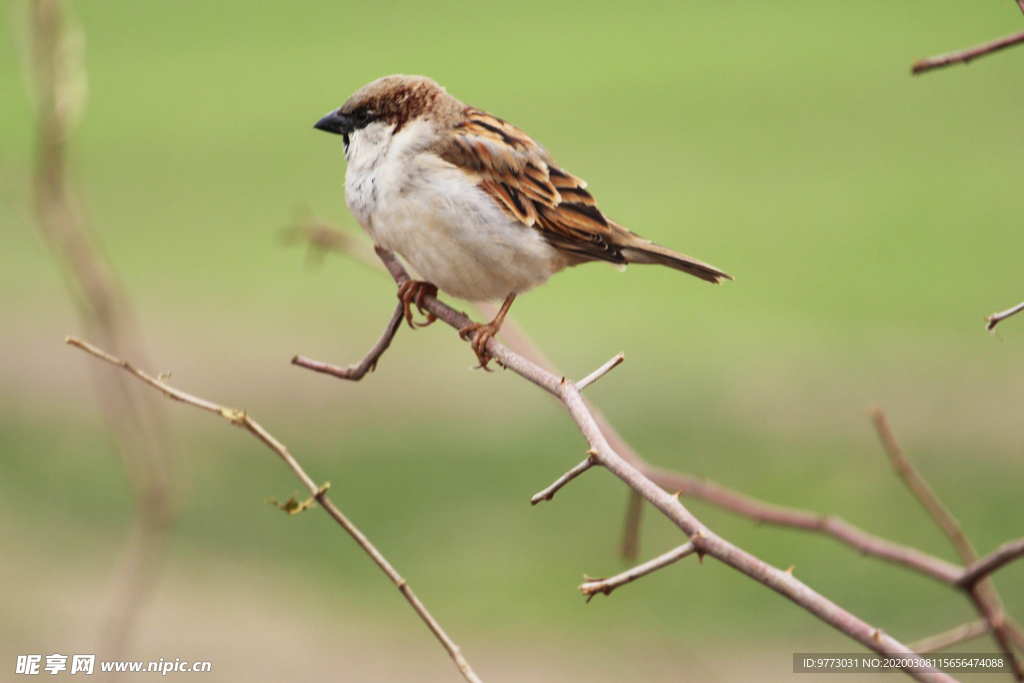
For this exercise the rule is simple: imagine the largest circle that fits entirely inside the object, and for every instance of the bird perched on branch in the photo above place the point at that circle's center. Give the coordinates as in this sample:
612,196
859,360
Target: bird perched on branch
472,203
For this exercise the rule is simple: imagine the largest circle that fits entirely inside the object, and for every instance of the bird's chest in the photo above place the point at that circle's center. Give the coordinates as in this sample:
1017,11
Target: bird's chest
369,175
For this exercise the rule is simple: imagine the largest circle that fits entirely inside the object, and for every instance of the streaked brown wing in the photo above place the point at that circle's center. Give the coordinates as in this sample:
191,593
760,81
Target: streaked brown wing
526,183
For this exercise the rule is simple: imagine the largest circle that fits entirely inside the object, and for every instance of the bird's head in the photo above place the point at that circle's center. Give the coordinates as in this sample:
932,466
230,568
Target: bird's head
384,106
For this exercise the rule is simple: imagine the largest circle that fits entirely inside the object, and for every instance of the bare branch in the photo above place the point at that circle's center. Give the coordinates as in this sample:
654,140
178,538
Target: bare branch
601,371
240,418
728,499
919,487
549,492
631,532
1006,553
367,364
954,636
965,56
997,318
706,541
591,587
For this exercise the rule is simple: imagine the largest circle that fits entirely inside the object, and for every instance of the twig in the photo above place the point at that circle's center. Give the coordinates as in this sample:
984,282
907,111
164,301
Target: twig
593,586
997,318
367,364
965,56
1003,555
705,541
631,532
549,492
954,636
240,418
601,371
919,487
983,594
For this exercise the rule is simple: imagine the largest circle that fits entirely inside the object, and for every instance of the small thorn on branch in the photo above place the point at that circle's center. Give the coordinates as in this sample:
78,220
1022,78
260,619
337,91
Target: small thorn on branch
600,372
591,587
549,492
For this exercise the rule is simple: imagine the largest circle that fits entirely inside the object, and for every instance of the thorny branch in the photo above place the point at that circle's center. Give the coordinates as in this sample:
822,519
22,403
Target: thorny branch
240,418
705,541
756,510
690,486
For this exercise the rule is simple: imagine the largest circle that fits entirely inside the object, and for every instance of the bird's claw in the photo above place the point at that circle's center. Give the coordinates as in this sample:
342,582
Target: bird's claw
413,292
478,334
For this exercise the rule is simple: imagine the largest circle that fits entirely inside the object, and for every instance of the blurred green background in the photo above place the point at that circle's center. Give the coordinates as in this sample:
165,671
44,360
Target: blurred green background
871,221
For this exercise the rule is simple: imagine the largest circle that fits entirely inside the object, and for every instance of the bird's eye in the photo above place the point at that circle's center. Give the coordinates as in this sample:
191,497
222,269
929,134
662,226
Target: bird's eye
363,115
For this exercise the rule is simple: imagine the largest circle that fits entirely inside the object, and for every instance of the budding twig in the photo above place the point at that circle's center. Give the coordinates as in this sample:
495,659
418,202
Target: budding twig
240,418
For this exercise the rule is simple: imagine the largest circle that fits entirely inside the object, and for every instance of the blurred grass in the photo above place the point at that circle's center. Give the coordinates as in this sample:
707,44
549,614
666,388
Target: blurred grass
871,219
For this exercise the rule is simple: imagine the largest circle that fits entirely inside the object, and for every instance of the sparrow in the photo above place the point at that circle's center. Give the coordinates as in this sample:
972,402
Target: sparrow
476,206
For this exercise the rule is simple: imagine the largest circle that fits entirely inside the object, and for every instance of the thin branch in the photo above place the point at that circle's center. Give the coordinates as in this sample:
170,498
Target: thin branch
240,418
601,371
631,532
367,364
997,318
830,525
1006,553
549,492
954,636
591,587
965,56
920,488
706,542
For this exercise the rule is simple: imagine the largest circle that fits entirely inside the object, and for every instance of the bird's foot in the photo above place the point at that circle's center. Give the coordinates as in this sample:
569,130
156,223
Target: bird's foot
482,333
478,334
413,292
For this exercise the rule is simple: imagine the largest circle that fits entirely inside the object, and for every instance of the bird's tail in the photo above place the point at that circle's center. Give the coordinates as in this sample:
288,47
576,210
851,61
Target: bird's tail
638,250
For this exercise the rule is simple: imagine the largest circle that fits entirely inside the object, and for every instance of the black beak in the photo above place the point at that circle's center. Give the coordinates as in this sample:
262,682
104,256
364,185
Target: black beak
336,123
